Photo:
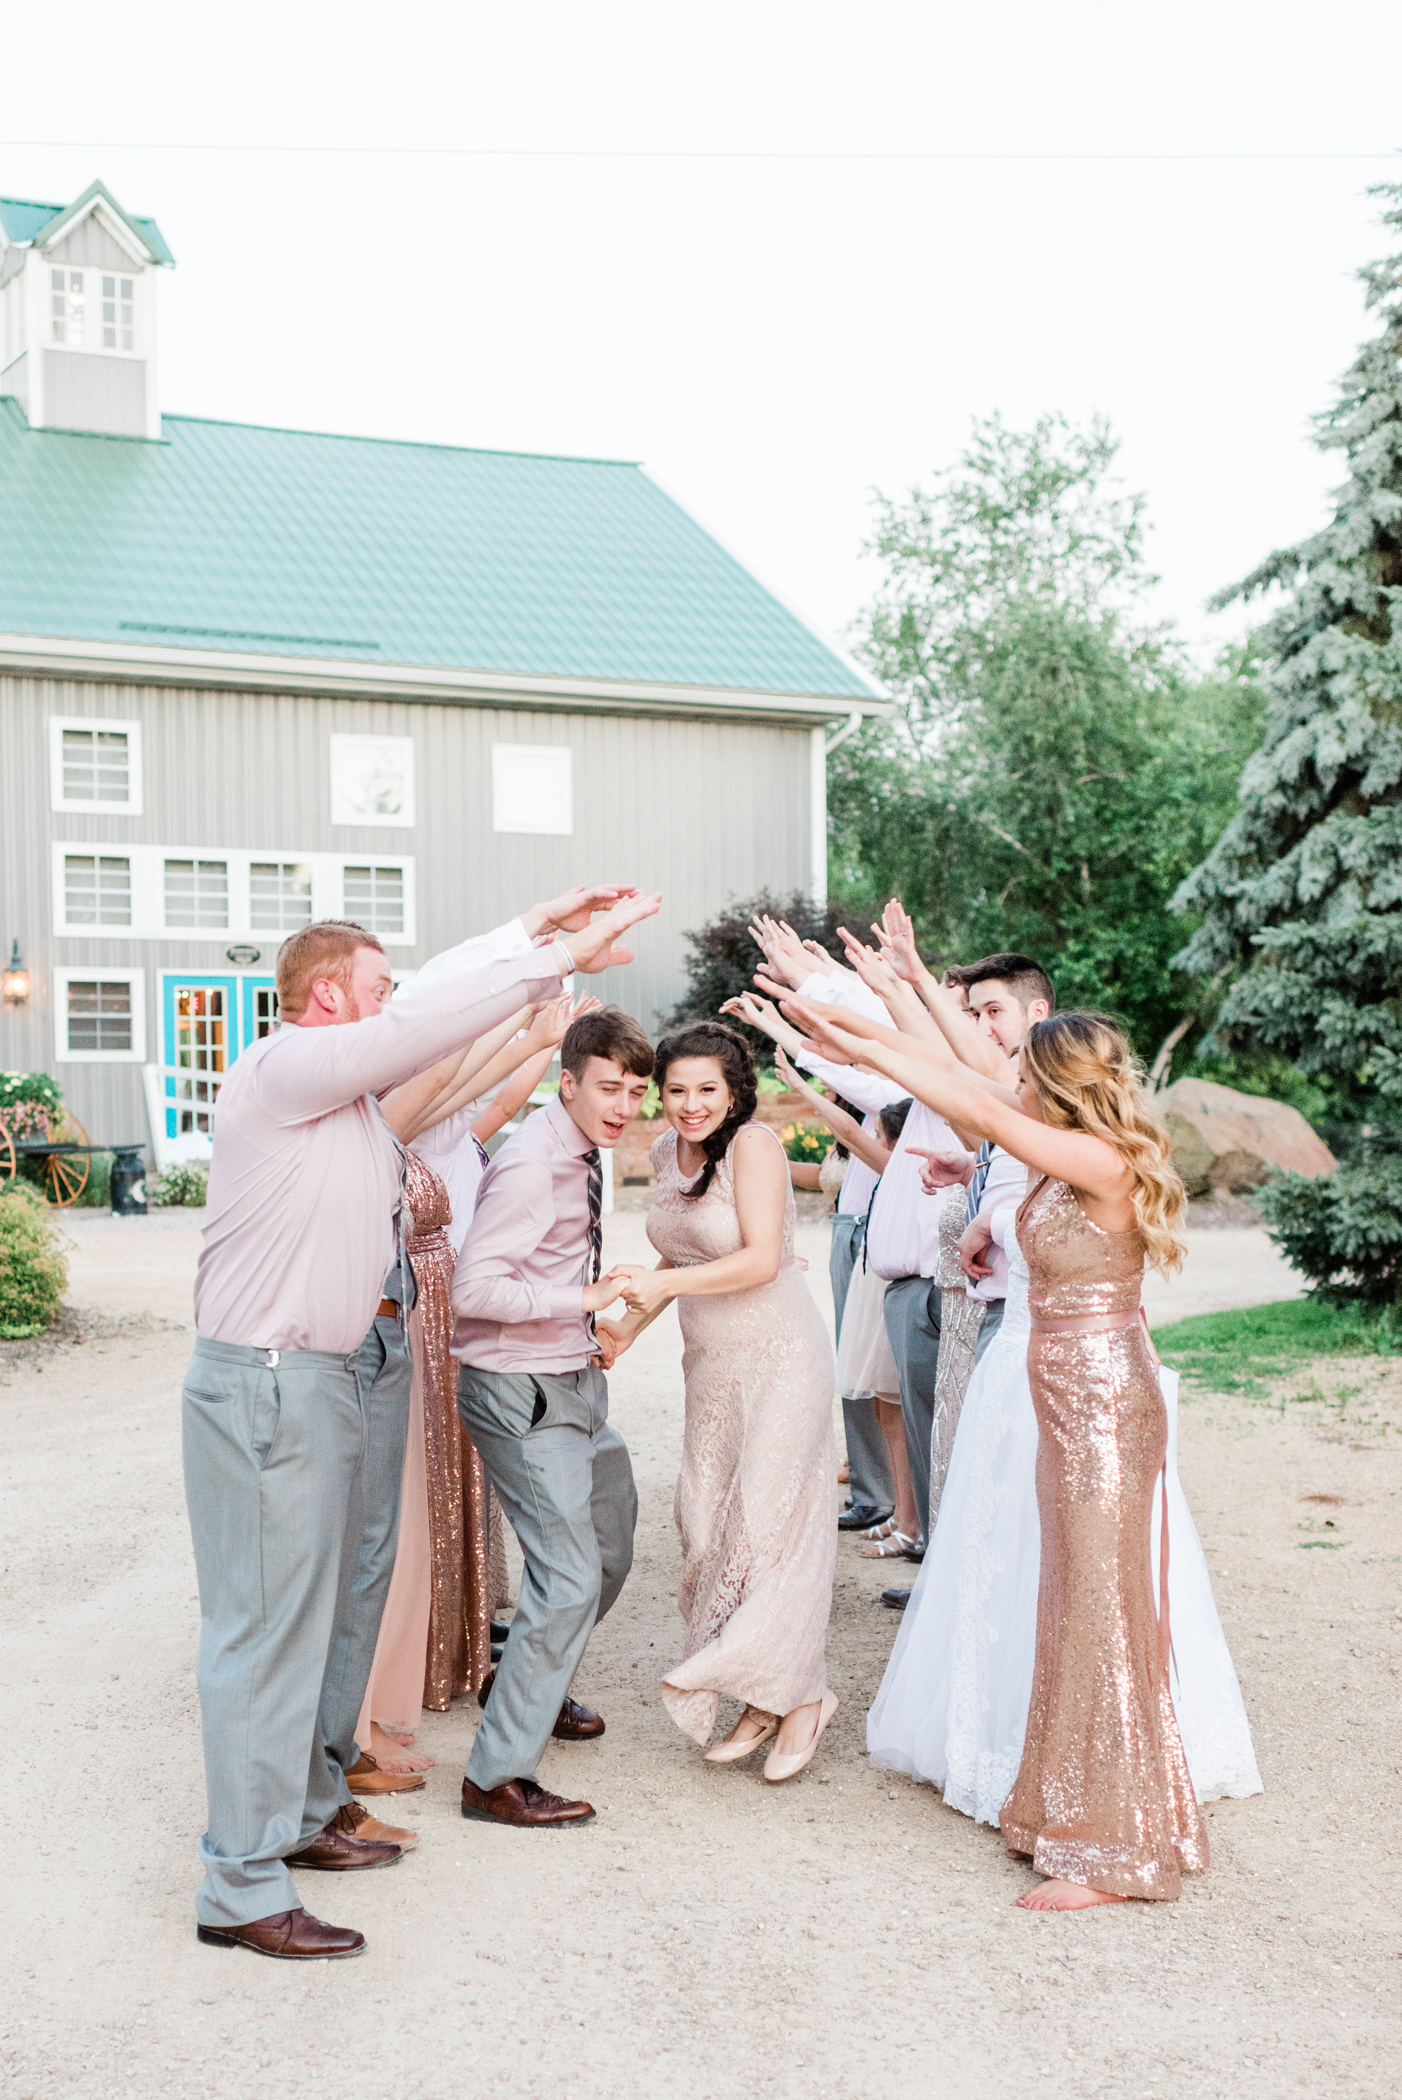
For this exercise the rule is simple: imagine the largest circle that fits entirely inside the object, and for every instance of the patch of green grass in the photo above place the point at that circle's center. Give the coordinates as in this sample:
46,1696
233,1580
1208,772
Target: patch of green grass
1233,1352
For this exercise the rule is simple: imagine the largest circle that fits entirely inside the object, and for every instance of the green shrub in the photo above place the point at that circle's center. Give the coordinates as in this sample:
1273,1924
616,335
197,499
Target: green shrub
183,1185
807,1141
33,1264
1344,1230
98,1193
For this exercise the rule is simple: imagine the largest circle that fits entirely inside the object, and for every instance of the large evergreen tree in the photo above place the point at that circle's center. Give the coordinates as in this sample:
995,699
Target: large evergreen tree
1301,899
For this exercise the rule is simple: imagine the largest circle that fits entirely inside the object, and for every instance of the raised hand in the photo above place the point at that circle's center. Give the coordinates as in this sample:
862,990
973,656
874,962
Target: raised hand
567,913
896,934
782,949
821,959
942,1169
553,1017
874,970
593,948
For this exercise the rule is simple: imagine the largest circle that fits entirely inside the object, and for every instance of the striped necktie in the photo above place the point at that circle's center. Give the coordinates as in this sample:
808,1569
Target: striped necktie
595,1164
977,1180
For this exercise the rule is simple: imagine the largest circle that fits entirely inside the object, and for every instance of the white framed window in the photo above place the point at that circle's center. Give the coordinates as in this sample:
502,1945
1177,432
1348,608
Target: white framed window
226,893
533,788
118,312
372,780
97,889
95,765
100,1015
374,897
68,305
280,895
197,894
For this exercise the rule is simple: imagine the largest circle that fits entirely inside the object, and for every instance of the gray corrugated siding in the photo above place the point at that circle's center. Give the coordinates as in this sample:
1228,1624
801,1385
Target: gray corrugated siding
91,244
83,390
701,810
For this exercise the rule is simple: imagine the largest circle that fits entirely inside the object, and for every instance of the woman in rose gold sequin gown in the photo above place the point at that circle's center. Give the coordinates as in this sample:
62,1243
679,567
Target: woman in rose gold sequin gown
1102,1803
755,1501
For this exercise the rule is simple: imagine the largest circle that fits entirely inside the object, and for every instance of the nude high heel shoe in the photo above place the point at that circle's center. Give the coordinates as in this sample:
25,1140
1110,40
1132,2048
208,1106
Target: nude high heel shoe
728,1752
780,1765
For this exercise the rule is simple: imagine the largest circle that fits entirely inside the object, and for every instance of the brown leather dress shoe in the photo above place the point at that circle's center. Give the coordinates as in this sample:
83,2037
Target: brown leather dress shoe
333,1852
291,1935
366,1777
523,1805
357,1822
573,1724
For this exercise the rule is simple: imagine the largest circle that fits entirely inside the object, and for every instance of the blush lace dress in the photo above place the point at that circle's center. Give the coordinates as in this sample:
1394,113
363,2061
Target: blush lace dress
756,1500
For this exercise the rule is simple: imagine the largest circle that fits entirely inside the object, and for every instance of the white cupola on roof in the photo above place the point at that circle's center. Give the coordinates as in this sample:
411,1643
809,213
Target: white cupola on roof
78,314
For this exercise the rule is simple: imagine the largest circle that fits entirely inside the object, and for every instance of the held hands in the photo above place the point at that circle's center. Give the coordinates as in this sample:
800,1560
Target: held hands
570,912
593,947
974,1243
612,1342
598,1297
942,1170
643,1291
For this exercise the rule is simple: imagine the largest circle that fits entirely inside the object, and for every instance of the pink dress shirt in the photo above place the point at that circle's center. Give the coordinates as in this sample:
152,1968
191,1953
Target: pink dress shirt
304,1186
525,1261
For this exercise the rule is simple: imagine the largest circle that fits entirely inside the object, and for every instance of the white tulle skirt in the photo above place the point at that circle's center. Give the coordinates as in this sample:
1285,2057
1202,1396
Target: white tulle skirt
952,1707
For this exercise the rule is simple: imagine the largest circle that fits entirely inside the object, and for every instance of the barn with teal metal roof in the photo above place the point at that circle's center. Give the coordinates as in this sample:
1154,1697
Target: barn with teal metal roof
249,676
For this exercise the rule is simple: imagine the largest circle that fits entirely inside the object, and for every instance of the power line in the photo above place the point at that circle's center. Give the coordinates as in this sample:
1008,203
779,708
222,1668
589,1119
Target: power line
646,153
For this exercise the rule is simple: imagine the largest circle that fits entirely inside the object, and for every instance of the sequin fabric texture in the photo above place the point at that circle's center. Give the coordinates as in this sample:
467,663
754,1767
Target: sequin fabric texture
1102,1796
756,1500
960,1320
459,1636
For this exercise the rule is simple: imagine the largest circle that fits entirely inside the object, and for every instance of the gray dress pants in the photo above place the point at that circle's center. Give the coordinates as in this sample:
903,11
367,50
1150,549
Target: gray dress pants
868,1466
273,1447
912,1309
992,1321
385,1374
566,1483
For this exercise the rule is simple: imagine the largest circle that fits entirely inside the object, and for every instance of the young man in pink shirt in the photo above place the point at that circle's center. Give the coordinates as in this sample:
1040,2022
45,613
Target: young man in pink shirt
533,1398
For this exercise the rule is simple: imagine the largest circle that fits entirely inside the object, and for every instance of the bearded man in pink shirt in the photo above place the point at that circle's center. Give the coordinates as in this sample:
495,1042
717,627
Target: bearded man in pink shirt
534,1400
295,1406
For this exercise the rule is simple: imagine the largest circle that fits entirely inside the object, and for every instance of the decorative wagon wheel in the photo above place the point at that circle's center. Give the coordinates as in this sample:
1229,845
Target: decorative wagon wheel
66,1173
8,1162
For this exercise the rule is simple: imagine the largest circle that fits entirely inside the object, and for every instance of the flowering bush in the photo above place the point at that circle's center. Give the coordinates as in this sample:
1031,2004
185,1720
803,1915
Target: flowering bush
807,1141
183,1185
30,1102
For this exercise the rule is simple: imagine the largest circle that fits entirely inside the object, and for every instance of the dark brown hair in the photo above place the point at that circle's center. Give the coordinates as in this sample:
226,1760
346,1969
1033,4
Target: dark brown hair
1025,979
732,1053
892,1120
607,1032
326,949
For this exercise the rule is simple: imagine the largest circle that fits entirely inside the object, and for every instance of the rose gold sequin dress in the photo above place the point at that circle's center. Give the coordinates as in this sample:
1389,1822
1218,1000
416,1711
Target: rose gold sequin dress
434,1637
756,1500
1102,1796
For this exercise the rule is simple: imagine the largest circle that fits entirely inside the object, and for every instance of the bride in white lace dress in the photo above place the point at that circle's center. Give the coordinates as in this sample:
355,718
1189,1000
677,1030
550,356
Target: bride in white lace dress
952,1707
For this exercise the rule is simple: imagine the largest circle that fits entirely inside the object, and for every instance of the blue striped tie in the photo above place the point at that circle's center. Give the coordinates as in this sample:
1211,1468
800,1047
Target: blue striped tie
977,1181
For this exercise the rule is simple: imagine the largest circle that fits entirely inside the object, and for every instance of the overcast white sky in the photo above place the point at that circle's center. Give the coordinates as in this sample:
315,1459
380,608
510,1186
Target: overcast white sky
773,337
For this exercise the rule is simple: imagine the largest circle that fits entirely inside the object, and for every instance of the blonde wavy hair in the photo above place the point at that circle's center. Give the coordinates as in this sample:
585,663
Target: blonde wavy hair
1088,1079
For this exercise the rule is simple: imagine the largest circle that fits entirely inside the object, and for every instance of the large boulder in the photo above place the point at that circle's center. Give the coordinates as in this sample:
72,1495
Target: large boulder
1223,1140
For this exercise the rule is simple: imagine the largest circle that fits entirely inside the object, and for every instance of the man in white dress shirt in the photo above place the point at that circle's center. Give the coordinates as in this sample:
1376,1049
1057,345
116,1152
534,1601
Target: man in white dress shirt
297,1389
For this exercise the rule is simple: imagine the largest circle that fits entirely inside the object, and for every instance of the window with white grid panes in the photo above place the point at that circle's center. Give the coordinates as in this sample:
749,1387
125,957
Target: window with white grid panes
374,898
99,1014
201,1053
97,889
264,1011
68,303
119,313
280,894
197,893
96,765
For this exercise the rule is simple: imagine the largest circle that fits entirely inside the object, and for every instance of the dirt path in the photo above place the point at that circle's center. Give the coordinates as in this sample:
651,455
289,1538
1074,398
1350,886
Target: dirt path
707,1936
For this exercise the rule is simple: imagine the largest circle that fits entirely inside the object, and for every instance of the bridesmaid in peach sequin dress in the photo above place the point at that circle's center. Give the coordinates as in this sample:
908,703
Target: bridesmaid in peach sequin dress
1102,1797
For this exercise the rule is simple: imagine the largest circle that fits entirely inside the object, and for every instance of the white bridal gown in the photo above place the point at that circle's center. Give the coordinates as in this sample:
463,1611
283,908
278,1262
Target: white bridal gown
952,1707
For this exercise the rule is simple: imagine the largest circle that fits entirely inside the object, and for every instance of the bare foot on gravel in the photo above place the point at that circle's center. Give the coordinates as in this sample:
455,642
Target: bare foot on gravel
1064,1895
391,1756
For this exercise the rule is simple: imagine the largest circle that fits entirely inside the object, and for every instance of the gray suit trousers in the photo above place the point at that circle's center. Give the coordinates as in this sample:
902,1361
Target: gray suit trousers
912,1309
272,1455
566,1484
868,1465
991,1322
385,1374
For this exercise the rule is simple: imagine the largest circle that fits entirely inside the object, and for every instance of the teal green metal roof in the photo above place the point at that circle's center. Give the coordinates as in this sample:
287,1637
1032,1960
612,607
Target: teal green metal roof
228,536
24,220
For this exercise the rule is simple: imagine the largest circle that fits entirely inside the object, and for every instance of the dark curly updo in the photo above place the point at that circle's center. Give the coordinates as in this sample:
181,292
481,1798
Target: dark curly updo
732,1053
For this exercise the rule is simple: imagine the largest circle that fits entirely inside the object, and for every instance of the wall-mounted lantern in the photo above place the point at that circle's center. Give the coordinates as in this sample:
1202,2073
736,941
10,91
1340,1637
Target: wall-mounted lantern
16,977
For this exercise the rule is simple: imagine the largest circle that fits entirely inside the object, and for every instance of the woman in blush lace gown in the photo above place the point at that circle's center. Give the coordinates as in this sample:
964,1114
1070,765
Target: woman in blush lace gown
755,1501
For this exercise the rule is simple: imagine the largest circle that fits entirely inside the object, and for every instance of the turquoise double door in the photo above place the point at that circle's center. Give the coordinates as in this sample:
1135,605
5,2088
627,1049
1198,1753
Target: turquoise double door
205,1022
